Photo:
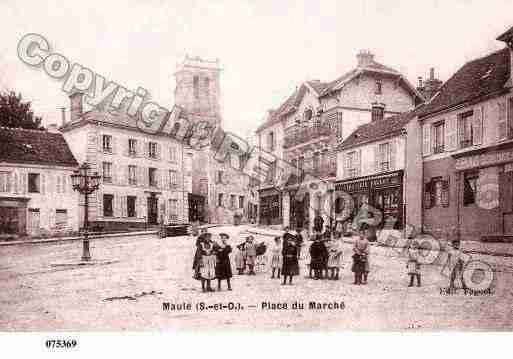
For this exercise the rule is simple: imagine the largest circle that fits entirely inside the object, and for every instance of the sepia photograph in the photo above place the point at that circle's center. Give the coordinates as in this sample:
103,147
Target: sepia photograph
294,166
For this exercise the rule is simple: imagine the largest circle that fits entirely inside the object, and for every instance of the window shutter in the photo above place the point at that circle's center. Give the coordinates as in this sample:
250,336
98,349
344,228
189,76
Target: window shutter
346,165
8,180
114,172
426,139
43,183
159,151
501,122
24,182
477,126
124,212
113,144
376,159
99,196
51,183
510,117
445,192
359,162
428,198
451,133
506,188
124,145
393,154
100,142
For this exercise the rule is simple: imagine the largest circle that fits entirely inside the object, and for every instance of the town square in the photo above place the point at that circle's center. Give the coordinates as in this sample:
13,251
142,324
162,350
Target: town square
238,166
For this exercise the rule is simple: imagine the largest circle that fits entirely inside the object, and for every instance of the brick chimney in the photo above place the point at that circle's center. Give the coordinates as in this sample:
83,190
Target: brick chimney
507,38
429,87
76,106
364,58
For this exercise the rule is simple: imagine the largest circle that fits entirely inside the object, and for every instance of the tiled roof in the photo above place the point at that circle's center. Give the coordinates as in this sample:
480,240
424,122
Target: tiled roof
285,107
318,86
376,130
34,147
115,118
322,89
477,78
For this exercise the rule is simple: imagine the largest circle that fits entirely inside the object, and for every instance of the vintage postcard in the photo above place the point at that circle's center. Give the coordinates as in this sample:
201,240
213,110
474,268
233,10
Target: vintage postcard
240,165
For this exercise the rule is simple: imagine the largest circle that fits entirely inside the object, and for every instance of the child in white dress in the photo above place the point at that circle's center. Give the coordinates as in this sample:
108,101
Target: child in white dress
276,257
208,266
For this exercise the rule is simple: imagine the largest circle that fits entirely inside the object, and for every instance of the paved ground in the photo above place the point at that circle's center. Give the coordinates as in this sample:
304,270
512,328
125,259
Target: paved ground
147,271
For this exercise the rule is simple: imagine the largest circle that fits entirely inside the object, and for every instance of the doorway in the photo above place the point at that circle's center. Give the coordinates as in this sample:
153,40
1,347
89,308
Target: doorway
152,209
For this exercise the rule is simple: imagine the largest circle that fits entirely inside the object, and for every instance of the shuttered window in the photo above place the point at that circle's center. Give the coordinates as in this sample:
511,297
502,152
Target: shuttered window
436,193
470,188
501,121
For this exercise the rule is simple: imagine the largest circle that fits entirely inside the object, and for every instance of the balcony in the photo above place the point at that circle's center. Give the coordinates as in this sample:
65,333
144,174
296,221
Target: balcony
297,136
326,170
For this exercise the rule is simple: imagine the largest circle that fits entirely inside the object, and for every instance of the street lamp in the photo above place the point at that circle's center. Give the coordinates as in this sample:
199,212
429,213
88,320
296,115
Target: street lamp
85,183
331,191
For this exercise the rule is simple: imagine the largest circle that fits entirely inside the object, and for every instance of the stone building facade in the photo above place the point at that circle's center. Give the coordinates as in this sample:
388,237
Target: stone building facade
145,180
467,150
36,195
314,120
371,166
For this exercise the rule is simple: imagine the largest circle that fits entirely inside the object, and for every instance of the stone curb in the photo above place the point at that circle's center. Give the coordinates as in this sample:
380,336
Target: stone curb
69,239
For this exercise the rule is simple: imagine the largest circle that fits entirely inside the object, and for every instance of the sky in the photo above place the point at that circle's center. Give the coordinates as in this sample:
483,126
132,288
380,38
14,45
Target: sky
266,48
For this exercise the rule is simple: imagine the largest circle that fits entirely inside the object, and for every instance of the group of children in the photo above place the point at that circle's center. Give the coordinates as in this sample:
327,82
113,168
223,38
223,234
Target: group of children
212,260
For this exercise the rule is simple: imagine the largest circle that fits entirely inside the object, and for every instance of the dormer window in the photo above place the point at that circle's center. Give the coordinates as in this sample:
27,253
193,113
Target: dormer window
308,115
378,88
378,112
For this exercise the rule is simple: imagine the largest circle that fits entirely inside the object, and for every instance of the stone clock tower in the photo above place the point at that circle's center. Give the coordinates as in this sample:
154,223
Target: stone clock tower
197,89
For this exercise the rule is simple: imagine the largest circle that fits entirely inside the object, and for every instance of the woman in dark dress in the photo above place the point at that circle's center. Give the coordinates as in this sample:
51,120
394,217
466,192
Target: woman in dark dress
223,266
318,254
290,258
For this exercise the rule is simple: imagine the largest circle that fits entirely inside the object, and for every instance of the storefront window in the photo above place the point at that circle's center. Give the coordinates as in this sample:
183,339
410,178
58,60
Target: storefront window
470,188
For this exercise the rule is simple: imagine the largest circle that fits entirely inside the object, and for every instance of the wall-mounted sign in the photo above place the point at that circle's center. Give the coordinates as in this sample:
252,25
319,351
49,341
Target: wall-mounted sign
484,160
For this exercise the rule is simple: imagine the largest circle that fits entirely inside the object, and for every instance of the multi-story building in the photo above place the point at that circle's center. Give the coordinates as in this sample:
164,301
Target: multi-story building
144,176
36,195
371,167
305,130
467,149
220,191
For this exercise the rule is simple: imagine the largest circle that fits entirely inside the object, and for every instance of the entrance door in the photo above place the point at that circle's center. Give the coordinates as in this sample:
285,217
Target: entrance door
152,210
33,221
9,220
388,200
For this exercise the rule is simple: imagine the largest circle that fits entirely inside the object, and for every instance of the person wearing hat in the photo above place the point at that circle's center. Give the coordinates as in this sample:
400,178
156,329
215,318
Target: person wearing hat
289,252
250,251
361,256
223,266
317,254
456,263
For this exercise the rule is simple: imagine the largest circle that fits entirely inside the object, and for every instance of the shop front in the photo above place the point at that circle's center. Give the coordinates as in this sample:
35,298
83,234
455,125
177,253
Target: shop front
485,191
383,192
13,217
270,206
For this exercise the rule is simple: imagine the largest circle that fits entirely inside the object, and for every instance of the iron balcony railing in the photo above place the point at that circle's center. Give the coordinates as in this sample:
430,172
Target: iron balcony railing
297,136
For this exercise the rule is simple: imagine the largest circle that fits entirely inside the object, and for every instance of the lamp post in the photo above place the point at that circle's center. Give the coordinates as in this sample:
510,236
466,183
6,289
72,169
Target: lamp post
85,183
331,191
